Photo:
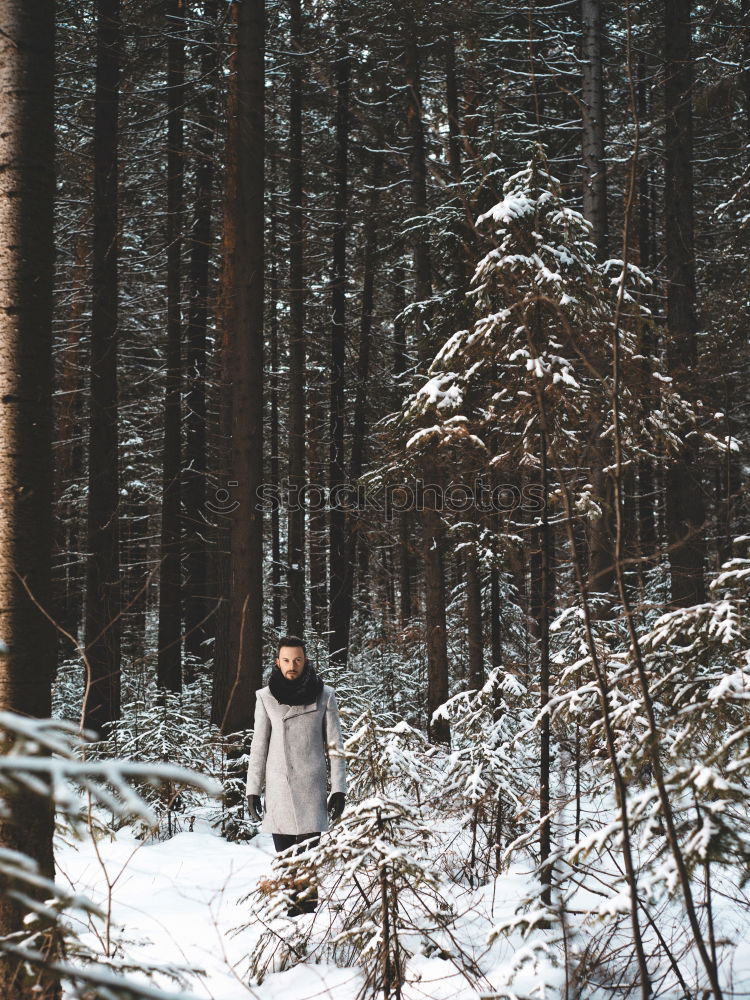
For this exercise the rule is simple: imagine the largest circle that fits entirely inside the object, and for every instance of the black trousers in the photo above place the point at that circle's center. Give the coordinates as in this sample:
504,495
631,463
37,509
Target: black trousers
281,841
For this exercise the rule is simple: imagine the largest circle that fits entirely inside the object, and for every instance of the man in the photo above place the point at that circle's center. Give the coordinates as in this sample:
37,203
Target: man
296,728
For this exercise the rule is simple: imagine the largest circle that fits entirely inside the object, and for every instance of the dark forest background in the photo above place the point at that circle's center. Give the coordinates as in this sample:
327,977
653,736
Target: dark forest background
371,137
301,249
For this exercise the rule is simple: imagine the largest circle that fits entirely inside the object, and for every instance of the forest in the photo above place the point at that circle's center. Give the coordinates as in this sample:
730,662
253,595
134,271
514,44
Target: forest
410,337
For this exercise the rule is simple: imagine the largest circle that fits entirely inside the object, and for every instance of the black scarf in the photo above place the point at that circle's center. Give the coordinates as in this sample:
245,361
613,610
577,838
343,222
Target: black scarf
303,690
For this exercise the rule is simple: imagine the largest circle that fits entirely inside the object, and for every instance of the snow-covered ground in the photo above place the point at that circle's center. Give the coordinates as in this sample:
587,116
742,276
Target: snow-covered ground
173,902
177,903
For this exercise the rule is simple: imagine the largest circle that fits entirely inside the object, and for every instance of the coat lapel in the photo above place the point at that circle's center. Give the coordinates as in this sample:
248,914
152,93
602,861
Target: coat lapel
299,709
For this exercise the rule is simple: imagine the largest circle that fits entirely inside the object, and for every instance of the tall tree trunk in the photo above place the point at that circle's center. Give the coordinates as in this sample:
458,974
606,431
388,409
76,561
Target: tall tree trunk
341,571
317,529
461,262
198,624
246,534
295,612
592,108
102,631
600,529
745,75
630,528
405,555
273,388
472,96
685,508
432,526
227,324
27,662
136,548
451,101
495,638
365,593
418,180
474,617
433,545
405,574
358,542
545,833
68,457
239,673
646,347
169,644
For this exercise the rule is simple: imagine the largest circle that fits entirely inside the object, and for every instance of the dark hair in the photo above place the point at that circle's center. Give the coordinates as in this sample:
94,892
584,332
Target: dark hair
291,640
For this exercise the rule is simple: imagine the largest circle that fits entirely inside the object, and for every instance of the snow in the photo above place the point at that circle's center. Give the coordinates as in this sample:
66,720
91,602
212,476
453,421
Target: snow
177,900
177,903
513,206
441,391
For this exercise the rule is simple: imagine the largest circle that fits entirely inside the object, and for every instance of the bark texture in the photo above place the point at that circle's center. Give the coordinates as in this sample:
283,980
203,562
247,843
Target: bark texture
341,568
169,662
295,611
103,587
685,506
246,535
27,186
239,674
198,605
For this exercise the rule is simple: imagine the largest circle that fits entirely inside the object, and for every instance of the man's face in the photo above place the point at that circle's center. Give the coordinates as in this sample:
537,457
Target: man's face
291,661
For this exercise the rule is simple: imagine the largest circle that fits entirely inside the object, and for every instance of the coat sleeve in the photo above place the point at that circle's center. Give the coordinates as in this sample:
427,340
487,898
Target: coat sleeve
335,745
256,767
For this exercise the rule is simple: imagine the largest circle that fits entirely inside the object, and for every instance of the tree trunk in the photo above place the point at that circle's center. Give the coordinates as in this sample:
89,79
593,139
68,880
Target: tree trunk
495,638
685,508
295,611
435,624
199,625
405,555
341,572
601,529
169,644
418,178
545,833
227,324
364,584
102,631
357,541
68,457
273,388
646,347
246,533
592,108
432,527
745,75
317,533
474,617
463,255
136,556
241,676
600,537
27,661
472,96
451,102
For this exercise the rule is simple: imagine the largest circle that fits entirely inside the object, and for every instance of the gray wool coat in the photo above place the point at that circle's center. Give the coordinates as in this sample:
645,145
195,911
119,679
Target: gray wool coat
291,744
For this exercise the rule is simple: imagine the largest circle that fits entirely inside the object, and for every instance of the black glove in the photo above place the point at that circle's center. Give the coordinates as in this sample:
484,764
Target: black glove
336,802
255,808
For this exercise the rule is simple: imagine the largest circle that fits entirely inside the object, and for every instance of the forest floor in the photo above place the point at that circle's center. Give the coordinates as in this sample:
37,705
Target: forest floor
177,904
